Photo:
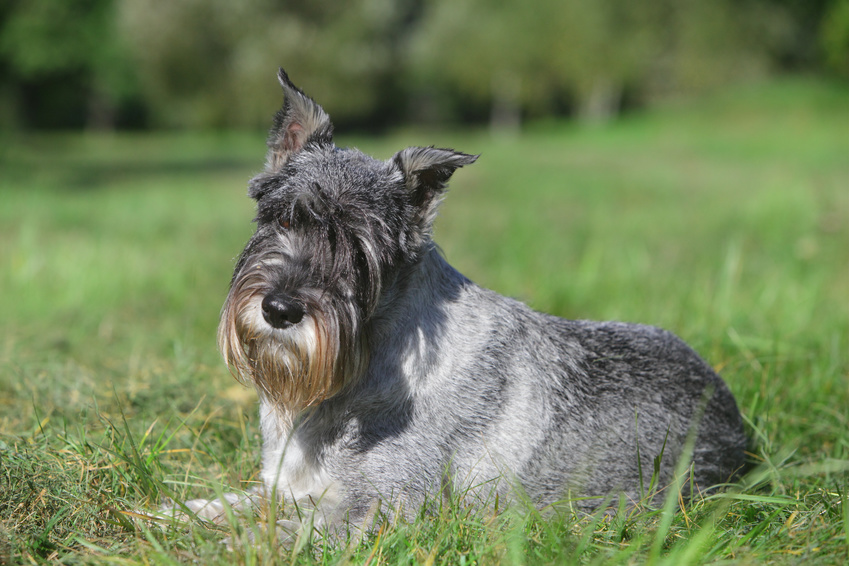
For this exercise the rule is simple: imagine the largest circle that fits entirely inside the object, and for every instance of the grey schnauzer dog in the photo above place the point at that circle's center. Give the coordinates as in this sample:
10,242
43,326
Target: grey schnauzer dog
386,375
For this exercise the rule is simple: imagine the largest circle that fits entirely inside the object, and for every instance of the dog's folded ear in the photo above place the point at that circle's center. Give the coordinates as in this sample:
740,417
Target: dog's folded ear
426,171
299,121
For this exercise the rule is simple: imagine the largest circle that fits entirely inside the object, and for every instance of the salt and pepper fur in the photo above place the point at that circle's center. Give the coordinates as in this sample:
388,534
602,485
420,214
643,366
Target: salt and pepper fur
402,381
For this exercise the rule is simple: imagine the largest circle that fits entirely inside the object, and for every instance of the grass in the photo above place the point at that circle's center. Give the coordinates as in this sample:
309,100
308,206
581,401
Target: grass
725,220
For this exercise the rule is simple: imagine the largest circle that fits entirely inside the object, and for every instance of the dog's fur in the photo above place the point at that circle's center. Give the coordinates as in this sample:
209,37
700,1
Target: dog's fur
383,373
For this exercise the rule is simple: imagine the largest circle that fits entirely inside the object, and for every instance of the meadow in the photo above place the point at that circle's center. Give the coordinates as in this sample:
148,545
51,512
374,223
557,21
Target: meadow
725,220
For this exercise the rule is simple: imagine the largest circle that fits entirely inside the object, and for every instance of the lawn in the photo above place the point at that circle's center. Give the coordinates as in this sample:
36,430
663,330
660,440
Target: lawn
725,220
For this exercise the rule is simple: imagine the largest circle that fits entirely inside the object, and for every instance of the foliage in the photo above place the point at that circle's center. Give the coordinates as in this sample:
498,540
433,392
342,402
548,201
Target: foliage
834,37
211,63
592,51
72,39
724,221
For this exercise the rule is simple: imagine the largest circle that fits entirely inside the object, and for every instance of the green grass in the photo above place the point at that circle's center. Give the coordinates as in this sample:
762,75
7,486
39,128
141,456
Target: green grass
725,221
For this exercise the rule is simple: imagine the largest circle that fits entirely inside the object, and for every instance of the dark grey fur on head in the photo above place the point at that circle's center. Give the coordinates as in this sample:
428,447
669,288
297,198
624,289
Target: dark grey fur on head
383,373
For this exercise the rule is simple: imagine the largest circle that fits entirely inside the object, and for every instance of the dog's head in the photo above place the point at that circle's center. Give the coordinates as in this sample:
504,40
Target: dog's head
333,227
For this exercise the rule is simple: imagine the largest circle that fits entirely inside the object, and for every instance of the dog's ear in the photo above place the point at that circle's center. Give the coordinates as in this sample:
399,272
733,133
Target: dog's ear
300,120
426,171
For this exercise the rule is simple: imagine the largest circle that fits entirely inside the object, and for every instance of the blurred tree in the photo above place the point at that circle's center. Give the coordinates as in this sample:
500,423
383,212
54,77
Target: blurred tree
597,50
516,56
59,56
213,62
706,44
799,45
480,50
834,37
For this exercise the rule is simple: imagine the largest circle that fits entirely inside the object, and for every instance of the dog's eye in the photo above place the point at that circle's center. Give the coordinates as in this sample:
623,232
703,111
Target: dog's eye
284,223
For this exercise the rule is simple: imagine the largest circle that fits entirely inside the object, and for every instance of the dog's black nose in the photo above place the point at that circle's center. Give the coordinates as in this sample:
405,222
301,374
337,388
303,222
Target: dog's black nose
281,312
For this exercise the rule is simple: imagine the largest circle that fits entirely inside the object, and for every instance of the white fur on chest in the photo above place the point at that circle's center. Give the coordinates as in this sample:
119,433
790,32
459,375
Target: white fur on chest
290,468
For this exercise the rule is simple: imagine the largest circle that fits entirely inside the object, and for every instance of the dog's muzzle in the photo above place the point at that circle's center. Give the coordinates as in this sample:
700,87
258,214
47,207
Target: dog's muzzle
281,311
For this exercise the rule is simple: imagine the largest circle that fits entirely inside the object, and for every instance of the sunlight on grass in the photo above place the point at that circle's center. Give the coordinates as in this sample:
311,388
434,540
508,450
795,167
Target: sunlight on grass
725,221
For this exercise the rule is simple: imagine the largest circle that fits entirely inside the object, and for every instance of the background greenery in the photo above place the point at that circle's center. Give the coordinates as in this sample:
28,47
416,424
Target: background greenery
725,220
210,63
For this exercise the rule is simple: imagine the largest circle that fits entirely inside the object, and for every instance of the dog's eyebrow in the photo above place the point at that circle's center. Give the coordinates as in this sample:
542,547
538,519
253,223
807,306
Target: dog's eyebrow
264,184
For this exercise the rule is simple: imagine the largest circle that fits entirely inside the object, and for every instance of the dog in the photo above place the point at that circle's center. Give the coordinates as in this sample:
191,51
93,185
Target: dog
384,374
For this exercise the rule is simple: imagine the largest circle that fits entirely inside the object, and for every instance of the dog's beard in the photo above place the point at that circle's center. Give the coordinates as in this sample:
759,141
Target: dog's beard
296,367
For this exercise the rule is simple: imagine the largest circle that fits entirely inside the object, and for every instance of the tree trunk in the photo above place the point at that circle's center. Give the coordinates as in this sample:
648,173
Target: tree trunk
100,114
506,114
601,103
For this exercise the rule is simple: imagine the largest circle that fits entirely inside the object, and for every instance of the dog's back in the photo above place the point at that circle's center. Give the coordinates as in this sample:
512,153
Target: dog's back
473,392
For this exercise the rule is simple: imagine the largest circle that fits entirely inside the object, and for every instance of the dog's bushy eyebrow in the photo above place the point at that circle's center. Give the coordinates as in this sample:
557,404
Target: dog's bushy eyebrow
307,208
265,183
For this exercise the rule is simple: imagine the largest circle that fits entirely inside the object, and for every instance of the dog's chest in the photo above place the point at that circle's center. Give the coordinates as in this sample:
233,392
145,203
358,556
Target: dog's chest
287,466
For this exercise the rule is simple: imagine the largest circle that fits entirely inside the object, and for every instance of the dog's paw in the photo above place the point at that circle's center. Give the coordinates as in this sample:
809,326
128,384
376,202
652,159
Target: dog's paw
212,510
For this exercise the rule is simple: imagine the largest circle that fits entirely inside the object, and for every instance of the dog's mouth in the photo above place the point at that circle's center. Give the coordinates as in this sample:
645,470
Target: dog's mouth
297,349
